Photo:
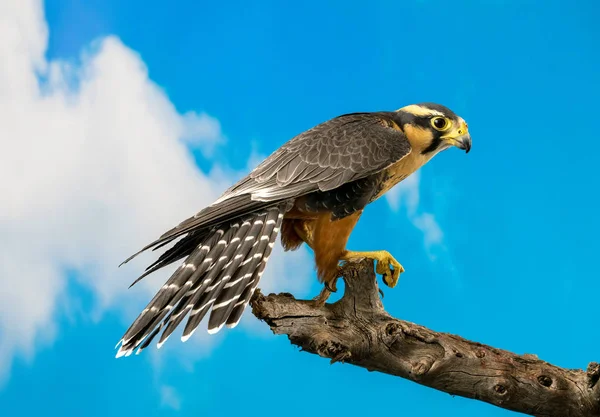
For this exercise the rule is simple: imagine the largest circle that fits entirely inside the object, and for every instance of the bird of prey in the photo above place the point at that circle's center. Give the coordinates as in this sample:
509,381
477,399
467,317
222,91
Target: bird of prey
311,190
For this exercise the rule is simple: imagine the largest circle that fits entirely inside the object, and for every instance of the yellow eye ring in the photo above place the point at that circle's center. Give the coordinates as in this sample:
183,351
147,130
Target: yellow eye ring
441,123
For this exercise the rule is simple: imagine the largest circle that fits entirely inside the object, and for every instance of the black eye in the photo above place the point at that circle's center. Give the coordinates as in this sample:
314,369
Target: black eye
440,123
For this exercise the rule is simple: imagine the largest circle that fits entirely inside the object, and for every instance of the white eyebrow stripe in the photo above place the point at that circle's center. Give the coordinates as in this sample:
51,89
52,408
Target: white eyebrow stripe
420,110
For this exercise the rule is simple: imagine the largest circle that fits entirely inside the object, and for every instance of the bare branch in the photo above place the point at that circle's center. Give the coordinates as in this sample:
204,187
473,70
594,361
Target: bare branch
357,330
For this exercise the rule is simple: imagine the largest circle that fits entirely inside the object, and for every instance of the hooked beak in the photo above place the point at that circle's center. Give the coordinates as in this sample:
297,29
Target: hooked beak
459,138
463,142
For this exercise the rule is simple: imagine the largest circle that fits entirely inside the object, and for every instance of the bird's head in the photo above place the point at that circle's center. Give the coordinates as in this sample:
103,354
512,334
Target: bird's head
431,128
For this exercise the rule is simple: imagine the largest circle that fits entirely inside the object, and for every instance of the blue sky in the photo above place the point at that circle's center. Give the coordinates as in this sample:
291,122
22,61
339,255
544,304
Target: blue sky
499,246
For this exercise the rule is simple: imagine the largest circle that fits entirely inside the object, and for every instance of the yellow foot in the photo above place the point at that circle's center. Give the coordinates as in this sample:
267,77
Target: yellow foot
386,264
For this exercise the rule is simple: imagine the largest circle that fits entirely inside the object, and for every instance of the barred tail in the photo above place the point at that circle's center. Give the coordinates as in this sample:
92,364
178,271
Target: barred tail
221,273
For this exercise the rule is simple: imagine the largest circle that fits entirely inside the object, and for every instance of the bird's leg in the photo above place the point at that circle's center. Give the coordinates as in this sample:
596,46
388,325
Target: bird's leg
387,266
320,300
304,233
328,289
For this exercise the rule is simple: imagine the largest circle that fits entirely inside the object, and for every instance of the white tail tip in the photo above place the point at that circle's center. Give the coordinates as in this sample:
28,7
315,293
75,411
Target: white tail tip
162,342
123,352
232,325
215,329
186,337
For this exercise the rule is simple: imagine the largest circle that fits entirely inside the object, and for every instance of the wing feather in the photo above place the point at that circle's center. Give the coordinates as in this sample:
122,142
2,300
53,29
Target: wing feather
341,150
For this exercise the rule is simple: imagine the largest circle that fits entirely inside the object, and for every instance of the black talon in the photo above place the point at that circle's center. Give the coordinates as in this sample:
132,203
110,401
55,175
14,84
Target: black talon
381,292
332,289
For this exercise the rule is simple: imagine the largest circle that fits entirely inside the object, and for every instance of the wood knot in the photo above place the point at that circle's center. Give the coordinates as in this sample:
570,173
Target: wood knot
545,380
393,329
593,374
422,367
334,350
420,334
500,389
480,353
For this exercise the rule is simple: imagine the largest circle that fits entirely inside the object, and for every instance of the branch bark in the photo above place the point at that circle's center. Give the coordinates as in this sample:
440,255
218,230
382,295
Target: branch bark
357,330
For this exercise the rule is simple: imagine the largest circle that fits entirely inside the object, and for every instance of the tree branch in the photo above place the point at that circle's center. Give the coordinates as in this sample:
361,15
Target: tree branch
357,330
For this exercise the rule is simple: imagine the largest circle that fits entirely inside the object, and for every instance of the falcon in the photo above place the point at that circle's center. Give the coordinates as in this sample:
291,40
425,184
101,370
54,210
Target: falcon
311,190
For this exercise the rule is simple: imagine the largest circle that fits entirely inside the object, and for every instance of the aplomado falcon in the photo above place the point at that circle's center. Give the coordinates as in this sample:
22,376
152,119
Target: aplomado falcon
311,190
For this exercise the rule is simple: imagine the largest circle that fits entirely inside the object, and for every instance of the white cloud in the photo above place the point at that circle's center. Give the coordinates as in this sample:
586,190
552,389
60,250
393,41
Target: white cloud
170,398
94,164
201,131
407,195
432,234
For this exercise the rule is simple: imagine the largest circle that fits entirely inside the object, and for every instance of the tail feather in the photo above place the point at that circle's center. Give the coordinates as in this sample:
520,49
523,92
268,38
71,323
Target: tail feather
232,291
191,296
176,287
181,249
239,307
211,294
221,272
149,339
222,251
248,291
